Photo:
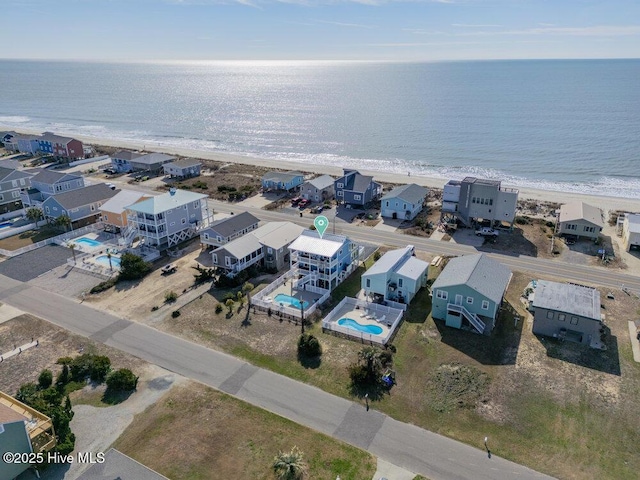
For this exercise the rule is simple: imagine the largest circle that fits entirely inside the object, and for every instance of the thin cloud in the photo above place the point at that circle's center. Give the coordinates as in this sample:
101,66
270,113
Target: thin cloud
349,25
420,31
471,25
594,31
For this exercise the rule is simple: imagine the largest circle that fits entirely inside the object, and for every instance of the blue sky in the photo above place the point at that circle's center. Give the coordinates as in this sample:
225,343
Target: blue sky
412,30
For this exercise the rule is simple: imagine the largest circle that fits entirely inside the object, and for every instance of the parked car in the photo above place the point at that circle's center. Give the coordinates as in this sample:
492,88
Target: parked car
295,201
303,204
317,209
487,232
169,269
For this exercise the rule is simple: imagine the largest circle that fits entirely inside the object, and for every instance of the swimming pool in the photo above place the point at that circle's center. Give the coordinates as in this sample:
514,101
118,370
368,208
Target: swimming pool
88,242
6,224
289,300
104,260
353,325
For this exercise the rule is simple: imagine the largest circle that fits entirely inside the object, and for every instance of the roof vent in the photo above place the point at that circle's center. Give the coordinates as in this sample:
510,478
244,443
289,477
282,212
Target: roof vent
172,192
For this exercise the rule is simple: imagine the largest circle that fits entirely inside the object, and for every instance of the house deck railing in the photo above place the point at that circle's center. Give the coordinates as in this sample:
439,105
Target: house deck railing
472,317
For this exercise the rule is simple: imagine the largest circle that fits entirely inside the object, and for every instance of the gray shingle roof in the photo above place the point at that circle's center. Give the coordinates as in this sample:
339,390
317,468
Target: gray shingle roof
126,155
52,137
51,176
84,196
568,298
118,466
321,182
153,158
393,261
479,272
570,212
184,163
411,193
283,177
228,226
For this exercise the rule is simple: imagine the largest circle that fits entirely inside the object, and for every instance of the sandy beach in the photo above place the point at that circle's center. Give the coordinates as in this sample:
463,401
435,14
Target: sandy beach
604,202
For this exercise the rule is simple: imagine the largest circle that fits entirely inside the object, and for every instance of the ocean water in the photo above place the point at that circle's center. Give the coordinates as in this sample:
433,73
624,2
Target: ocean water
568,125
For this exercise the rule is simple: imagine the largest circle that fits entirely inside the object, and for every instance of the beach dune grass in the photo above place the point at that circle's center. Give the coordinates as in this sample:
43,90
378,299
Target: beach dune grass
206,434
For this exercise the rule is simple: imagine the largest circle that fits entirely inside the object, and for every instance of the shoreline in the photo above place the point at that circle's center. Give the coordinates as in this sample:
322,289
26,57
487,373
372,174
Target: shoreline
601,201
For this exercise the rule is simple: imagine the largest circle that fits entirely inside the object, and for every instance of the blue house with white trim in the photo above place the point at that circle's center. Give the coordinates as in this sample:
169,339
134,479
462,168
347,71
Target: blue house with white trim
404,202
356,189
282,180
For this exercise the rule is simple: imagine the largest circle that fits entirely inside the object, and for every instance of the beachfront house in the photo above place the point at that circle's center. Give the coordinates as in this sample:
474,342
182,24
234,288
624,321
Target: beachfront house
395,278
23,430
228,229
113,213
28,144
404,202
473,200
126,161
81,205
469,291
183,168
282,180
12,182
266,245
121,160
9,141
356,190
580,219
165,220
631,231
322,262
568,312
62,147
319,189
47,183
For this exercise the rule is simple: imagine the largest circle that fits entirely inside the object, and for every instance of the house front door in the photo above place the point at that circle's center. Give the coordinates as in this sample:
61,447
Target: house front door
458,299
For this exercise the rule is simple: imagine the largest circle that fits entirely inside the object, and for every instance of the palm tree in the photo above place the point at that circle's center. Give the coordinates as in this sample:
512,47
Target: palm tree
63,221
109,257
229,303
371,358
289,465
35,214
72,247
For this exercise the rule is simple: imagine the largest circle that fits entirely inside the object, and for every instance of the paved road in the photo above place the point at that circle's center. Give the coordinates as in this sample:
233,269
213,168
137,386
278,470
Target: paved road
410,447
555,268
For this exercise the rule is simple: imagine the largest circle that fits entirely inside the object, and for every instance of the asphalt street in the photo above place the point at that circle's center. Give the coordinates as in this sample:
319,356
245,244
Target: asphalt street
410,447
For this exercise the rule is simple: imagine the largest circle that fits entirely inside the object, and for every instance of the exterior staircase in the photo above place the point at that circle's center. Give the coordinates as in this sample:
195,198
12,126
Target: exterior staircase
472,318
128,236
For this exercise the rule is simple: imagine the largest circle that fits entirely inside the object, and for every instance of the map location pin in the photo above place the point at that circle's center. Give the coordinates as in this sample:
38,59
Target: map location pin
321,223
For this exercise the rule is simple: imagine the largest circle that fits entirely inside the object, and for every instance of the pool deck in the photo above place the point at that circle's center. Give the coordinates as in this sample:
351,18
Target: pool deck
104,239
287,289
359,315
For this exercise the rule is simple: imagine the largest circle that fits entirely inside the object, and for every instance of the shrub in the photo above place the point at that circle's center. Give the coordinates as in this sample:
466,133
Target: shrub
154,308
170,297
91,366
64,377
133,267
226,188
229,303
376,255
200,184
219,308
64,360
102,286
45,379
122,380
247,287
100,367
358,374
229,296
550,224
309,346
175,314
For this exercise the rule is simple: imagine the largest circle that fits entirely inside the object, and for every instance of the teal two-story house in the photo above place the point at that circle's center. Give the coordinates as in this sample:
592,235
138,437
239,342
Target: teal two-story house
469,291
395,277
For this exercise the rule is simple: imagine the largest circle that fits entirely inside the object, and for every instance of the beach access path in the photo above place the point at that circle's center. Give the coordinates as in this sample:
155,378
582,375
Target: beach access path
413,448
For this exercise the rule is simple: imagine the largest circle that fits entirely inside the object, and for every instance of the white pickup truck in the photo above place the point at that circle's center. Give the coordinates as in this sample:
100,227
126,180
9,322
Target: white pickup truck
487,232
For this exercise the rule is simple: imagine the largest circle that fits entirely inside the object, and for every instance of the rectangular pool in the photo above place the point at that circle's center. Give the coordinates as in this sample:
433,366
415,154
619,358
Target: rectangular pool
89,242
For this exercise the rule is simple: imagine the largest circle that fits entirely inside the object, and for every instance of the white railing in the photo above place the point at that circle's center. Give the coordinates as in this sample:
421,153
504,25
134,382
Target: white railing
11,231
472,317
14,214
393,317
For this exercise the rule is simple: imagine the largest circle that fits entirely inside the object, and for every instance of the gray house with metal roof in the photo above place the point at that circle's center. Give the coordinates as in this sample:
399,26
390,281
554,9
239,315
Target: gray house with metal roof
404,202
228,229
395,277
183,168
121,161
282,180
568,312
356,189
469,291
126,161
319,189
580,219
81,205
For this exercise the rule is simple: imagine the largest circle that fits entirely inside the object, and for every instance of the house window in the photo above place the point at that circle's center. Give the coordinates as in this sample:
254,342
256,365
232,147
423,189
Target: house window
218,238
574,320
46,209
470,300
269,250
400,282
184,220
404,206
206,236
14,183
473,200
550,315
485,304
15,194
93,207
169,211
561,317
227,261
172,224
280,251
357,197
215,257
368,283
387,203
340,193
443,294
105,218
340,185
491,201
196,204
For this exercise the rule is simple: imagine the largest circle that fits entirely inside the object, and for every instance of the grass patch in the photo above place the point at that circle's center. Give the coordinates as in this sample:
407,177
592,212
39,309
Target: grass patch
232,439
29,237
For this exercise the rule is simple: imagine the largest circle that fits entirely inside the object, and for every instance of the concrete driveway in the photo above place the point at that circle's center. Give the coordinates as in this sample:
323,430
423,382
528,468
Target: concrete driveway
260,200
